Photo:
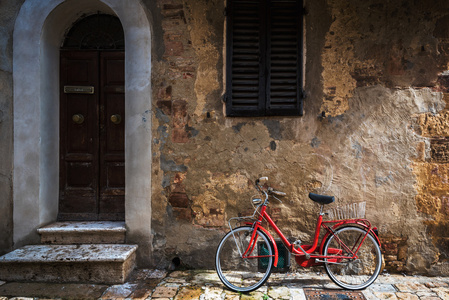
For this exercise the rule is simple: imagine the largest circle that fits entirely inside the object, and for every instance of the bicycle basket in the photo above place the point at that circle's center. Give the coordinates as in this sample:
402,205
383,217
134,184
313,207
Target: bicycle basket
348,211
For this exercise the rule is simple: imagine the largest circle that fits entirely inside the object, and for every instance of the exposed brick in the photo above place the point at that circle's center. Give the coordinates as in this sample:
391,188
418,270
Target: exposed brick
402,253
179,113
182,213
389,248
443,83
165,93
366,76
168,6
179,135
180,119
183,64
445,205
173,11
179,200
174,48
178,186
165,106
439,150
173,37
395,253
396,63
212,217
442,28
391,258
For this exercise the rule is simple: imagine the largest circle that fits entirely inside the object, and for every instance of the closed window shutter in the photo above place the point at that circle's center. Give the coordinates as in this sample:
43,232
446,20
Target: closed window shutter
245,81
263,58
284,95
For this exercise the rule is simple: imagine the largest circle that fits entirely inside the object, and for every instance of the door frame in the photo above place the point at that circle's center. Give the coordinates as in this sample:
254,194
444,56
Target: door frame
38,31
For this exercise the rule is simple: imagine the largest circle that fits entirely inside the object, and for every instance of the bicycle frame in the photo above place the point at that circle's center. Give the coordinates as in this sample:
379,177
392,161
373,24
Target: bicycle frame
309,251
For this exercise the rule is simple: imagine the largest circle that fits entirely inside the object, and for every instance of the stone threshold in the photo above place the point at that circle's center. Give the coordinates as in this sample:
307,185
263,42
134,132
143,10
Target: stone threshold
85,232
83,227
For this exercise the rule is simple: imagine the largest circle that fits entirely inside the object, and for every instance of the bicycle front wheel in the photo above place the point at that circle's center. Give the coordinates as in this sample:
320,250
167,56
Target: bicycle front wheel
244,265
353,273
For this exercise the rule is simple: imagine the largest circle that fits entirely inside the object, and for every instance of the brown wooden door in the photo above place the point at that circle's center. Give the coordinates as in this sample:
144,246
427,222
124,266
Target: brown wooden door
92,136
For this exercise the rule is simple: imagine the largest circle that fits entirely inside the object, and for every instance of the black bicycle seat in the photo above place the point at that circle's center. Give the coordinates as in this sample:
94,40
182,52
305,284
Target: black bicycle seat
321,199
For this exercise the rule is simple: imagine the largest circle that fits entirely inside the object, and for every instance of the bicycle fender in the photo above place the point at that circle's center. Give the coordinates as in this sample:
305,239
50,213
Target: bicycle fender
276,253
350,222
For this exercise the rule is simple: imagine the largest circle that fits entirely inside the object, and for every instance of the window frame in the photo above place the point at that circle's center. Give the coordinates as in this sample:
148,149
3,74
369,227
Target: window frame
264,103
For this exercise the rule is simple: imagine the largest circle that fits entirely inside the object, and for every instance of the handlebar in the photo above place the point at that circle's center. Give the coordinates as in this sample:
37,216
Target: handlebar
269,190
279,193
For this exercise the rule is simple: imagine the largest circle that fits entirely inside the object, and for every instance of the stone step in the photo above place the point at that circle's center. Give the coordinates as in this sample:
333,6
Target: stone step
98,232
92,263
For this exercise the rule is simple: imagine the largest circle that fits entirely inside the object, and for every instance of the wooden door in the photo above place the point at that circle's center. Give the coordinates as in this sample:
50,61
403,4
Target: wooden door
92,134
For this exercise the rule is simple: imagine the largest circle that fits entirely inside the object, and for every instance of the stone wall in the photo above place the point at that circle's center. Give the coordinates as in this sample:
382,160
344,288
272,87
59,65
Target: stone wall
373,130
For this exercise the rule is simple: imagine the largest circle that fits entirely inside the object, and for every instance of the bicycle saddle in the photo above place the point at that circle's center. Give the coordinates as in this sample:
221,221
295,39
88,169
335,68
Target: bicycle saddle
321,199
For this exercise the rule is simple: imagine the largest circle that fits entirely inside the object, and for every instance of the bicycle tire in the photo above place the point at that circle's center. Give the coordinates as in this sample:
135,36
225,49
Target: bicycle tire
243,274
348,273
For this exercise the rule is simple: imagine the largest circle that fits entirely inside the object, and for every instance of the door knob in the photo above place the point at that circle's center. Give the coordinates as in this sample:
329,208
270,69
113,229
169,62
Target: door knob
116,119
78,118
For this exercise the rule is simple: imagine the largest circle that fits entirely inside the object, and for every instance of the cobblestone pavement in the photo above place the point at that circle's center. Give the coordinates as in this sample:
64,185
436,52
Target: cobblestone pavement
205,285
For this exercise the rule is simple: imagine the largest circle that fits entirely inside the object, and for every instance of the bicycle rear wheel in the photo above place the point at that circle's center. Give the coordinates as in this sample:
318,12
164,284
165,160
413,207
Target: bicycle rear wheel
244,274
349,273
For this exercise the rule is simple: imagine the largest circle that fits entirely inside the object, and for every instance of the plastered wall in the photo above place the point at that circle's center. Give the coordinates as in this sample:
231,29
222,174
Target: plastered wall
375,129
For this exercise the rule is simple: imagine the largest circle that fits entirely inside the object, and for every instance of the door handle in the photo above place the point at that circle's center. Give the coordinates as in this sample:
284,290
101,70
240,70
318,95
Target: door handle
78,118
116,119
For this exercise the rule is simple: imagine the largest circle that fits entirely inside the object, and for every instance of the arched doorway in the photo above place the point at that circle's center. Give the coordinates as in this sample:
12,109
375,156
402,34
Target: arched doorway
39,29
92,120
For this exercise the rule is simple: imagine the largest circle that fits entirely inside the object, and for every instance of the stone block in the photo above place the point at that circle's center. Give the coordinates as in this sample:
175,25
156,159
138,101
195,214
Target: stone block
119,291
190,293
101,232
164,292
407,296
95,263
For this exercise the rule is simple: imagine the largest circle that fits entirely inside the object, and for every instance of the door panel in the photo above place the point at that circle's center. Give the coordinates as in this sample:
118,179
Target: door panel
78,154
92,180
112,136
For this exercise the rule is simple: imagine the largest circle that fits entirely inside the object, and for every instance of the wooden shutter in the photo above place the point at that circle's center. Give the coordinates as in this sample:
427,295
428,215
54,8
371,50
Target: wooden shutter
284,58
245,81
263,58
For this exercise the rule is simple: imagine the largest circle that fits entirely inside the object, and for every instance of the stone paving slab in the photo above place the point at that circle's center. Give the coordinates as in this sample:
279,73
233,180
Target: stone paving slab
52,290
147,284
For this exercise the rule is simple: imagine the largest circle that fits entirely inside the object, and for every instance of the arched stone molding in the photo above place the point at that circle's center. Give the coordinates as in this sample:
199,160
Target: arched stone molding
38,32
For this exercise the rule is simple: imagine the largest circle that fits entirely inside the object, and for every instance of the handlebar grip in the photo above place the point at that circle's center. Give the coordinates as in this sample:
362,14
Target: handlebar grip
263,179
278,193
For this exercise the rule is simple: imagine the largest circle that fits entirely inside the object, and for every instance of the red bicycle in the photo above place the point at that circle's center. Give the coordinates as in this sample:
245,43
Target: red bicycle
349,249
